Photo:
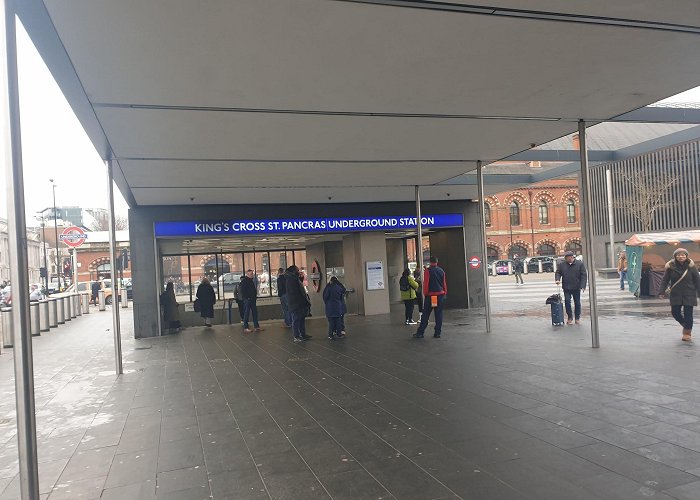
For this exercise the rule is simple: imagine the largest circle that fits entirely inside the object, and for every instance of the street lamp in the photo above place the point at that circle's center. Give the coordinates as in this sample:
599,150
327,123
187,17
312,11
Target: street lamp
55,228
46,264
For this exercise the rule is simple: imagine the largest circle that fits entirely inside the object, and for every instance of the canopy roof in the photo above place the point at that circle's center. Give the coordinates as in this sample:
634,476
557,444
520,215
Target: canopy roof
261,101
670,238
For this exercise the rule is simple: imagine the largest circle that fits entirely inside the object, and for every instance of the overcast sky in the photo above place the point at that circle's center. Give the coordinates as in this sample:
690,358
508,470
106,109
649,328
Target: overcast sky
55,147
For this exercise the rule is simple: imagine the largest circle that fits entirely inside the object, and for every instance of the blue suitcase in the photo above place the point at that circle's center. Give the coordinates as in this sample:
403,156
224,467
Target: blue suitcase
557,308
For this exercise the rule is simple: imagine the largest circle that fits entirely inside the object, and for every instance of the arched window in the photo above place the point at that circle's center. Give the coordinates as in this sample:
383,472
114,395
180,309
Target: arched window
544,212
520,250
546,249
574,246
514,213
570,211
492,254
487,214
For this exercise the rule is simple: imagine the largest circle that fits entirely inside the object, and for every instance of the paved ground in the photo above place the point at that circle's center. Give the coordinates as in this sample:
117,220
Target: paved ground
527,411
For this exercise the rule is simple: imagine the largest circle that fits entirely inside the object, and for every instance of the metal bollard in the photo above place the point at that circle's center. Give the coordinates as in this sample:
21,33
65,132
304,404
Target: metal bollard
539,266
73,305
85,301
61,311
77,305
124,298
101,300
510,268
34,318
67,308
44,315
8,331
53,312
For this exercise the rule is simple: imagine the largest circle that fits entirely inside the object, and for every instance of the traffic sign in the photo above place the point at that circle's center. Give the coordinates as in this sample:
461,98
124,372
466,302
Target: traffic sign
475,262
73,236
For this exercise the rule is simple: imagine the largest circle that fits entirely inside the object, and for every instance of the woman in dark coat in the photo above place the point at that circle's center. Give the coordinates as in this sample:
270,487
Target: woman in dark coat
298,302
333,298
171,314
684,281
207,299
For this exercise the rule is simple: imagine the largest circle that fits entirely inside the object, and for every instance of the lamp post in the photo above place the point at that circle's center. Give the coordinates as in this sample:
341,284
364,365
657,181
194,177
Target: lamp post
55,228
46,264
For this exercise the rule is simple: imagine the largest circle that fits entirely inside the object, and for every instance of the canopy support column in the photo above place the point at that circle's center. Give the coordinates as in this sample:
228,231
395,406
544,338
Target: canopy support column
482,230
419,225
18,261
116,327
587,231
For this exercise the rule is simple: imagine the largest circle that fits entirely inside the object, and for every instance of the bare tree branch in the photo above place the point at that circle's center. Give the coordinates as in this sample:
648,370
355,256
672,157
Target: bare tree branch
102,223
647,197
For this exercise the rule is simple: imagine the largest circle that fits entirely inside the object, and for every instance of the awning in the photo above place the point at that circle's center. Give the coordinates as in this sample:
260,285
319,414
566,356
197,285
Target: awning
670,238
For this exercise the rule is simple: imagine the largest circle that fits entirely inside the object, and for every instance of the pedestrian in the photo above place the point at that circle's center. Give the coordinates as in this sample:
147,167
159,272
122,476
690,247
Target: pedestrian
249,293
682,276
333,299
434,291
206,298
281,293
171,312
419,291
344,310
408,287
622,269
239,298
518,269
94,290
571,273
35,294
298,301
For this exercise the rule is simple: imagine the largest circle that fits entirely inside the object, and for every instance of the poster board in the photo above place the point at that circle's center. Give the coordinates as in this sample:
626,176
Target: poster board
374,270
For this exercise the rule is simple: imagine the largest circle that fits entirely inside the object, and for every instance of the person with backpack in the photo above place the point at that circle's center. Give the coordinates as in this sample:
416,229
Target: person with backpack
408,287
333,299
682,274
239,298
249,293
434,291
518,269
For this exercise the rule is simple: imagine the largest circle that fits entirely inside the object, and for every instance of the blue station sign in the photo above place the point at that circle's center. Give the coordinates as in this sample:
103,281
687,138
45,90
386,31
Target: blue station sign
193,229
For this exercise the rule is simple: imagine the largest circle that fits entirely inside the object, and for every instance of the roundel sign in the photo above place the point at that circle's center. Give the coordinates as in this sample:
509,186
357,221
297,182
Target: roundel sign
73,236
315,276
474,262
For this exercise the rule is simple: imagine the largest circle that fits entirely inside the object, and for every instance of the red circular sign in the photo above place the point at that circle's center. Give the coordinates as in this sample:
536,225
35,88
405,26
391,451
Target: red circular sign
73,236
475,262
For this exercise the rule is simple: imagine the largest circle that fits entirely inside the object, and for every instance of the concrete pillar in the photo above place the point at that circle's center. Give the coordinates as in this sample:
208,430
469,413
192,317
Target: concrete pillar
317,254
395,266
448,246
358,249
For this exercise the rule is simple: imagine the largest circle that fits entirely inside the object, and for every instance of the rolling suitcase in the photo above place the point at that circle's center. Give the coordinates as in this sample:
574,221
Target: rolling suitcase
557,309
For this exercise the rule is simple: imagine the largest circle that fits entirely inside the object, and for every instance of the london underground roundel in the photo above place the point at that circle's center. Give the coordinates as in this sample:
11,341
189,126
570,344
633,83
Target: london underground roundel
73,236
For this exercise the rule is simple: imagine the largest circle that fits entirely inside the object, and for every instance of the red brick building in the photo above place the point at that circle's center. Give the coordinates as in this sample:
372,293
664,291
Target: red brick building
540,219
92,257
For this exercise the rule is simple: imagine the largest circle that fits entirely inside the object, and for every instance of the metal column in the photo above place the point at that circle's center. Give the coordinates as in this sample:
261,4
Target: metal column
484,258
419,225
611,216
17,233
587,231
113,267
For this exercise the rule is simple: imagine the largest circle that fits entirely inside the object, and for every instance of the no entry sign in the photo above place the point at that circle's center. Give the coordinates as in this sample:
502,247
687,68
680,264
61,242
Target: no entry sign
73,236
475,262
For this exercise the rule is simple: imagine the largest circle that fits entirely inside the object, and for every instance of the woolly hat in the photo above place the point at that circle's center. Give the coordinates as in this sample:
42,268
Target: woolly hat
569,254
679,251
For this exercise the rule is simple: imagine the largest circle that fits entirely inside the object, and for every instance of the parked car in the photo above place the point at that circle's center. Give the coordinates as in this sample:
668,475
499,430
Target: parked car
547,264
228,280
502,266
86,286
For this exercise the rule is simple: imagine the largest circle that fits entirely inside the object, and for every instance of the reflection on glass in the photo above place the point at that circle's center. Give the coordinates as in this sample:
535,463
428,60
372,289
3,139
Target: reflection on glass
175,270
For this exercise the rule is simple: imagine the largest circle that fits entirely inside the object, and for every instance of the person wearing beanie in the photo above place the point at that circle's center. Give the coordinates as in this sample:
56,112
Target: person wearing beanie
682,284
572,275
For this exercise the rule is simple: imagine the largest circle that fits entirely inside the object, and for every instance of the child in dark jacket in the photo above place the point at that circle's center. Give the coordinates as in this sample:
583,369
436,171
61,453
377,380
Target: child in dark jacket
333,298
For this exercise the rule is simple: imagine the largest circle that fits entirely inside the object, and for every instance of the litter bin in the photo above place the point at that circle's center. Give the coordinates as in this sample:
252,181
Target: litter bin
53,312
61,311
44,315
101,300
124,298
85,302
8,330
66,308
34,318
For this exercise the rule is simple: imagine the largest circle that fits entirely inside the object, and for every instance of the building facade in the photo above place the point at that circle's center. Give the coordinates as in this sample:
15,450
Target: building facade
540,219
34,254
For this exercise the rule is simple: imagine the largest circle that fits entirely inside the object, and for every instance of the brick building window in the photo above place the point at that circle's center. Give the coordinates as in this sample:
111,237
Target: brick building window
570,211
546,249
514,214
544,212
575,247
487,214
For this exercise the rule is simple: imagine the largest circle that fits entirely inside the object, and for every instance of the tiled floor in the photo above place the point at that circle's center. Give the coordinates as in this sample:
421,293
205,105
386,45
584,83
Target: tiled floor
527,411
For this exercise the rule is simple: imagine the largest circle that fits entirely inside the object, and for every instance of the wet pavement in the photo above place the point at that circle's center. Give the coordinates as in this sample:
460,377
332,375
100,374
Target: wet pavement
527,411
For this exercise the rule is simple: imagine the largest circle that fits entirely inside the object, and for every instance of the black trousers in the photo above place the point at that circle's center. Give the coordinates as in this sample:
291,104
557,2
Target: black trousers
408,304
685,318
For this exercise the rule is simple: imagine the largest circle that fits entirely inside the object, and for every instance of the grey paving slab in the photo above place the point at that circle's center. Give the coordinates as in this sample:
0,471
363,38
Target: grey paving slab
670,454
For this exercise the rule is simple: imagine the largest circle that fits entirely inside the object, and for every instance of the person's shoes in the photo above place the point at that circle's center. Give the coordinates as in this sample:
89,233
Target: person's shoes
411,322
569,321
417,335
306,337
406,322
298,339
436,336
578,321
621,288
686,335
258,329
247,330
340,335
331,337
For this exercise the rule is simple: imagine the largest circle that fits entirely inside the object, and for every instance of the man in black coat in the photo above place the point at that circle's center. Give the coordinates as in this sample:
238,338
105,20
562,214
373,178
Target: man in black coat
573,278
282,294
298,303
249,293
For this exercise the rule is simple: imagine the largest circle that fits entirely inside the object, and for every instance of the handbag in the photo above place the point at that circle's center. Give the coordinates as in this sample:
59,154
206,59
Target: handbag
197,306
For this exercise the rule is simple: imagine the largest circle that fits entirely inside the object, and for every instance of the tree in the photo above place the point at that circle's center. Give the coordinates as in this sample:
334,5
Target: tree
102,223
646,197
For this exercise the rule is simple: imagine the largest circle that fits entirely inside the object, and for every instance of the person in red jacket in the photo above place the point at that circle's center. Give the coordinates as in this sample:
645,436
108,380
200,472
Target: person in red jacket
434,291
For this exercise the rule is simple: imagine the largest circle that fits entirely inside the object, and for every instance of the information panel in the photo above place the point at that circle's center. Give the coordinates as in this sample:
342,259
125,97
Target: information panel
375,275
193,229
